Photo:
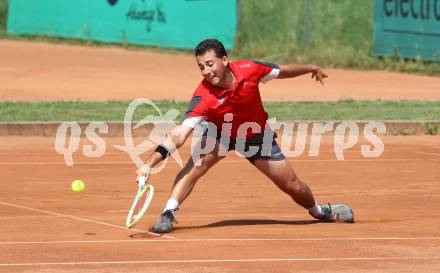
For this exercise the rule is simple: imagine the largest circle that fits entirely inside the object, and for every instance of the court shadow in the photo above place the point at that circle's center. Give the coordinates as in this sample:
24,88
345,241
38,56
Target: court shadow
226,223
251,222
143,235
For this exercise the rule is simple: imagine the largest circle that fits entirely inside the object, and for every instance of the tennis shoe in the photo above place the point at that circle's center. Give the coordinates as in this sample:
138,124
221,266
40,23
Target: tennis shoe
165,222
336,213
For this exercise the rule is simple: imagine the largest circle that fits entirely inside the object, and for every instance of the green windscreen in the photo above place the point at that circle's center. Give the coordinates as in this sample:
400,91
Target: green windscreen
164,23
407,28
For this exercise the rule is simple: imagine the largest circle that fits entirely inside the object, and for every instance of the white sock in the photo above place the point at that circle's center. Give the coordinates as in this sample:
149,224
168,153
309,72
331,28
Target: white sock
315,211
172,204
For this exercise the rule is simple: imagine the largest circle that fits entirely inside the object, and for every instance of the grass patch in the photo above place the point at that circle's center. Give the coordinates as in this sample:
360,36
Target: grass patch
3,16
432,129
355,110
79,110
115,110
340,35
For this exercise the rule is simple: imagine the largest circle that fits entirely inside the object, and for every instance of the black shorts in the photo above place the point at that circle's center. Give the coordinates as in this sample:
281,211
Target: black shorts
254,148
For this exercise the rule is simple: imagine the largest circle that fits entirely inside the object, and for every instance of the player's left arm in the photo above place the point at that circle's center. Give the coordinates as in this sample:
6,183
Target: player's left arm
295,70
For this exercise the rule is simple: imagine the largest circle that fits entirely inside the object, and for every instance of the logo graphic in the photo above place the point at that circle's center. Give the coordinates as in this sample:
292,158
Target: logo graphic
221,101
162,124
67,144
141,13
112,2
345,134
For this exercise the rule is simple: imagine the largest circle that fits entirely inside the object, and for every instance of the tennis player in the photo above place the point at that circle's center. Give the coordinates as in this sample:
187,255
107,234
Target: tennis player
229,94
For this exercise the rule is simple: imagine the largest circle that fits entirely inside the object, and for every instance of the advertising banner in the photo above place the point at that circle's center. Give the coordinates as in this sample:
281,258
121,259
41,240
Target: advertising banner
163,23
407,29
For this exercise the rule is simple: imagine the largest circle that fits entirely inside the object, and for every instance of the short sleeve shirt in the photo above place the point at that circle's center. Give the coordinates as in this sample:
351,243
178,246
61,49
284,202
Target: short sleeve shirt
241,105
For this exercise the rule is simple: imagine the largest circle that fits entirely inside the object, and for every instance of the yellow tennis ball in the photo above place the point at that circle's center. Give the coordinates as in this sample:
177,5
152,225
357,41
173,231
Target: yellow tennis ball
78,185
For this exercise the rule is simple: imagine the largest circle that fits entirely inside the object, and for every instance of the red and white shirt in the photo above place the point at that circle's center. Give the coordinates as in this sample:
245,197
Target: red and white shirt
243,101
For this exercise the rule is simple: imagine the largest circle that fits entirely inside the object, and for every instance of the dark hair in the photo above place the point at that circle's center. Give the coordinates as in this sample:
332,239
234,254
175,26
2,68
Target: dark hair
209,44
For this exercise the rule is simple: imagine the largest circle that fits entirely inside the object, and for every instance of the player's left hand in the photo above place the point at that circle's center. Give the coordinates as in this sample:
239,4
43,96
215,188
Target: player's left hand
318,74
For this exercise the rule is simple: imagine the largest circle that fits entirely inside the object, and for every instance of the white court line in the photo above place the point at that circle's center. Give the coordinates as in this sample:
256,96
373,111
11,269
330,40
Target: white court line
114,211
426,153
231,161
86,220
225,239
231,261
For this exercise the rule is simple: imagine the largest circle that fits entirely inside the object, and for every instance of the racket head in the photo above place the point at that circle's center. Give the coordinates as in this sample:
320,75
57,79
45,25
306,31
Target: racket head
140,204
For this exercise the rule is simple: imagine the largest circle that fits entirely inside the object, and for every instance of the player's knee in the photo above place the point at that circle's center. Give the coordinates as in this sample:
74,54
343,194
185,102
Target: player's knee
201,167
205,163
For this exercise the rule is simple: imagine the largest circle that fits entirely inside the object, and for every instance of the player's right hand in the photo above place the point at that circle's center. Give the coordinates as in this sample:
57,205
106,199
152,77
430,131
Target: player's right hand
144,171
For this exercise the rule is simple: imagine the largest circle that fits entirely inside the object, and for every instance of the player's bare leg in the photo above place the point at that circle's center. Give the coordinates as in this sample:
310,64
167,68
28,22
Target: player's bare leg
282,174
189,175
184,184
285,178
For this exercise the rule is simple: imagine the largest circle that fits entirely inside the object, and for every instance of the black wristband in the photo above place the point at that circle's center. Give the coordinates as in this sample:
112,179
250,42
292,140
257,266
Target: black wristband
163,151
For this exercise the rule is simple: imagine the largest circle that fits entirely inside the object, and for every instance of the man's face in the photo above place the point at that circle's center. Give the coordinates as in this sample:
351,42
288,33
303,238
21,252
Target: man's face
213,68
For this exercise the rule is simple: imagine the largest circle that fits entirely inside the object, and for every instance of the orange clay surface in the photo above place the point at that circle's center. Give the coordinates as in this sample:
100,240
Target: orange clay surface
37,71
236,220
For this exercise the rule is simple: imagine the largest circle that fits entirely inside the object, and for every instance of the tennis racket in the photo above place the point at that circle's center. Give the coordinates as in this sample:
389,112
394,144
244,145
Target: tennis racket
140,203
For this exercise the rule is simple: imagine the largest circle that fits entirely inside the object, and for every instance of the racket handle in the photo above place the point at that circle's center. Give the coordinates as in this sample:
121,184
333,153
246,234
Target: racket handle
142,181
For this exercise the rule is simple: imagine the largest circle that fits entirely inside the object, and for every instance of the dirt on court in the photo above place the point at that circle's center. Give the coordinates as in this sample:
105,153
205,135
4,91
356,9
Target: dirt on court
236,220
37,71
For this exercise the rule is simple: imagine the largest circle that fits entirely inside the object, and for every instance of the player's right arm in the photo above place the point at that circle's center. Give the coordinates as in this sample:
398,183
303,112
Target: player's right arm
195,114
175,139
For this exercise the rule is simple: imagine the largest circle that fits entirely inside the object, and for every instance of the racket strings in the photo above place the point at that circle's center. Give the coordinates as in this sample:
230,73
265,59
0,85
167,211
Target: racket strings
140,205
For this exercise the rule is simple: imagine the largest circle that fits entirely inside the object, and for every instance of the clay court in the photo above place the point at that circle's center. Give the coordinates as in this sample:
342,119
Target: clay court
236,220
38,71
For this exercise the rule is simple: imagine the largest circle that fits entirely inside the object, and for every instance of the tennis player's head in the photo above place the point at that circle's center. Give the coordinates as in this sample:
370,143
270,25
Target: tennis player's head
212,60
